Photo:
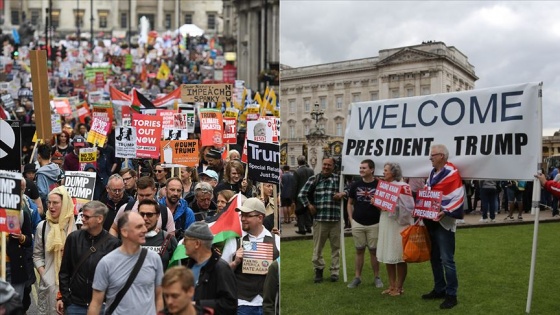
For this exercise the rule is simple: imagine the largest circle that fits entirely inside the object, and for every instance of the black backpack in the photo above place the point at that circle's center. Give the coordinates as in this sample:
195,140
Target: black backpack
162,212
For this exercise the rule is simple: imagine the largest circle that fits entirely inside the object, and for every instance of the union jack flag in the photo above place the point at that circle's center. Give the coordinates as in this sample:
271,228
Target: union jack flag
364,193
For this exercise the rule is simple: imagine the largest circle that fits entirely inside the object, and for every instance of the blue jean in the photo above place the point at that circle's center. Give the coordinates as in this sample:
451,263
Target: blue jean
74,309
489,202
249,310
442,261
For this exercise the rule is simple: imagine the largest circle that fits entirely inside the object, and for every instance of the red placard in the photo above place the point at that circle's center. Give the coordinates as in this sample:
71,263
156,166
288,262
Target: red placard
211,127
230,131
428,203
386,196
148,135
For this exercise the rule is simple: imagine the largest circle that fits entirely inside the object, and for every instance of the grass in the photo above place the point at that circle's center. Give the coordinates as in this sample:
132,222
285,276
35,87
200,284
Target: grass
493,265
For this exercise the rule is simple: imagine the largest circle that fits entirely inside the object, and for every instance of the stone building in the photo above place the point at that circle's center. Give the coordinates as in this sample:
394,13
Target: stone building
429,68
111,17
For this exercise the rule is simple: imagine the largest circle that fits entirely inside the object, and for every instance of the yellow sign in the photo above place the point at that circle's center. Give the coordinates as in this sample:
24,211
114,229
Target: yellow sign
88,155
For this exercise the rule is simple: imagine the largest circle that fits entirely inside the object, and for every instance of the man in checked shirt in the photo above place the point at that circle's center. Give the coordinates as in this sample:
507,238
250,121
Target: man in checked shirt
320,195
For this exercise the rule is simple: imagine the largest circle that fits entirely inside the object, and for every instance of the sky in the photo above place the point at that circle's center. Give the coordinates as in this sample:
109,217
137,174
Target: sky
507,42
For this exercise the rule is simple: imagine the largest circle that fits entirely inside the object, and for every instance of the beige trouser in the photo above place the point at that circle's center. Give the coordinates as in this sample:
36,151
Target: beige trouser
321,232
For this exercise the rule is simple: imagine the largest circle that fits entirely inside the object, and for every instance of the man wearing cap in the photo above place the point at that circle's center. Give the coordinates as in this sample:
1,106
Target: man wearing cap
215,162
210,177
29,171
215,281
250,286
71,160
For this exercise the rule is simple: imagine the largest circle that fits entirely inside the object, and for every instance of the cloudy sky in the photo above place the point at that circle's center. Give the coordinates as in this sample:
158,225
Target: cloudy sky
507,42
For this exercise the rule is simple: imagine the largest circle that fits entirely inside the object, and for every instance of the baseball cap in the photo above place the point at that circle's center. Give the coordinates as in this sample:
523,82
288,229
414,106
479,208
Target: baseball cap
211,174
252,204
29,168
79,141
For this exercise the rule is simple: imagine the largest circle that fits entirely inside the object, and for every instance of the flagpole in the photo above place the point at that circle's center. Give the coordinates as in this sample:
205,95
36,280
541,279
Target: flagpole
535,206
275,197
342,243
3,254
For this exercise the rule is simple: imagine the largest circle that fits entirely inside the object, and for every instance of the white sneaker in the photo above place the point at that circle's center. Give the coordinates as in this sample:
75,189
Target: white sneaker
493,220
460,221
483,220
378,282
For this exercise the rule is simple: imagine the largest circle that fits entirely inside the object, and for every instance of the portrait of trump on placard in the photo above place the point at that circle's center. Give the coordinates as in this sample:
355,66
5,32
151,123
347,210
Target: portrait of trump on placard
258,130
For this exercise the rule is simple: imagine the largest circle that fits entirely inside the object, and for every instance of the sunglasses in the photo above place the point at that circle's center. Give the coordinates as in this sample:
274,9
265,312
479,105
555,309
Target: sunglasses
149,215
158,171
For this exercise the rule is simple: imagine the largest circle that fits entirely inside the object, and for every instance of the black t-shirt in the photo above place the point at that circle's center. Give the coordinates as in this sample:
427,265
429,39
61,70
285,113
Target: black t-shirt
31,189
364,212
156,242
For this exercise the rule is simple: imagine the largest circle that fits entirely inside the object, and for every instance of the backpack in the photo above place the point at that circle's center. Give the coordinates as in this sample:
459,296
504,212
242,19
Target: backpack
162,212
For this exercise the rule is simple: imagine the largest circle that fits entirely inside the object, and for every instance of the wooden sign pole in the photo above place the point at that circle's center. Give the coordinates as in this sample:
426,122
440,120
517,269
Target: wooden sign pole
41,98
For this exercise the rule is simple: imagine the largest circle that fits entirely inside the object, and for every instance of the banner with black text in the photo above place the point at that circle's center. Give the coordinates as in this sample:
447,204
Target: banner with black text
263,161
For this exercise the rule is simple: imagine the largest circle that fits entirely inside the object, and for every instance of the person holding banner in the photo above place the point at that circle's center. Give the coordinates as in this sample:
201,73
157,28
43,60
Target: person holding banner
391,224
445,178
48,247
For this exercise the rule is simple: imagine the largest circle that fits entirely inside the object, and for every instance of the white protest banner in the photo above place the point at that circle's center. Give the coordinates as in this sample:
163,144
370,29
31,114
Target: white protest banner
490,133
9,103
80,185
56,124
259,130
189,118
125,142
175,134
10,201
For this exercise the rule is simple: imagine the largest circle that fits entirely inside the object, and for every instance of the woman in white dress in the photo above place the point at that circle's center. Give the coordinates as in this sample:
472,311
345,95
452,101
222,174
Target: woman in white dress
49,244
389,244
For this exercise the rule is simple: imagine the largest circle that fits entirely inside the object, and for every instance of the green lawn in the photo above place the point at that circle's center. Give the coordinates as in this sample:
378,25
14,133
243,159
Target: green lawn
493,265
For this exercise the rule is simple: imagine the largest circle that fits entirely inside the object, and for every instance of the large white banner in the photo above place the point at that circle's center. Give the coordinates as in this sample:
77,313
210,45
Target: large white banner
490,133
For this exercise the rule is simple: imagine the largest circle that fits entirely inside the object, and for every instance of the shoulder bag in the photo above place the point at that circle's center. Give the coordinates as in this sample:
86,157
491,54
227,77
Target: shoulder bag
131,278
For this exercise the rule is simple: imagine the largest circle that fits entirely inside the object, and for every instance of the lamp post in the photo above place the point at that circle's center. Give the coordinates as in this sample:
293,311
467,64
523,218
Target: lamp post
78,19
317,139
91,24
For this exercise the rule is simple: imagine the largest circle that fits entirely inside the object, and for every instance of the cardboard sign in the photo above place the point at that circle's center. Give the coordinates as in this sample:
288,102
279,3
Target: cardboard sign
56,124
9,103
428,203
125,142
62,106
211,127
190,118
230,130
386,196
206,93
257,257
87,156
180,152
148,135
263,160
95,97
252,112
80,185
10,202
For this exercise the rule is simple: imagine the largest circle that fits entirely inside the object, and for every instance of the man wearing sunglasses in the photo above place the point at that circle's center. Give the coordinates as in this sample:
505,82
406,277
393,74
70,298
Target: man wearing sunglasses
76,276
157,240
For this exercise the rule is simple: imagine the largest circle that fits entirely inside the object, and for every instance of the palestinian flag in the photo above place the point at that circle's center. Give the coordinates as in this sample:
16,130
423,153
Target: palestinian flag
138,99
224,226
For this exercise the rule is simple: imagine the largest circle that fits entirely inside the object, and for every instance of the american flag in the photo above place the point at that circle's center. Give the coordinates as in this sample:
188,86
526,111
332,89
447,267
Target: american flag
259,251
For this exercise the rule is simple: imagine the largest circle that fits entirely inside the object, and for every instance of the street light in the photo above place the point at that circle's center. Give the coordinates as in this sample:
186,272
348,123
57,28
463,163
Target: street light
317,114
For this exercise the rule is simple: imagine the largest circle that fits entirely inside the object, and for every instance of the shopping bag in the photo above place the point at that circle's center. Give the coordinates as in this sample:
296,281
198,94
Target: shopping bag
416,243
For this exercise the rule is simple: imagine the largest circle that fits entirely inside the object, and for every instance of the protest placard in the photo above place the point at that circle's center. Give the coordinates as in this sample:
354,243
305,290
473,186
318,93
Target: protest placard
259,130
230,130
80,185
180,153
428,203
190,118
98,131
87,156
386,196
257,257
125,142
263,160
175,134
211,127
148,135
206,93
10,202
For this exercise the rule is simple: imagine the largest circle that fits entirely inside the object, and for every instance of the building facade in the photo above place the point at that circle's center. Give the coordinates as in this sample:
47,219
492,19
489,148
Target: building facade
112,17
254,27
428,68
